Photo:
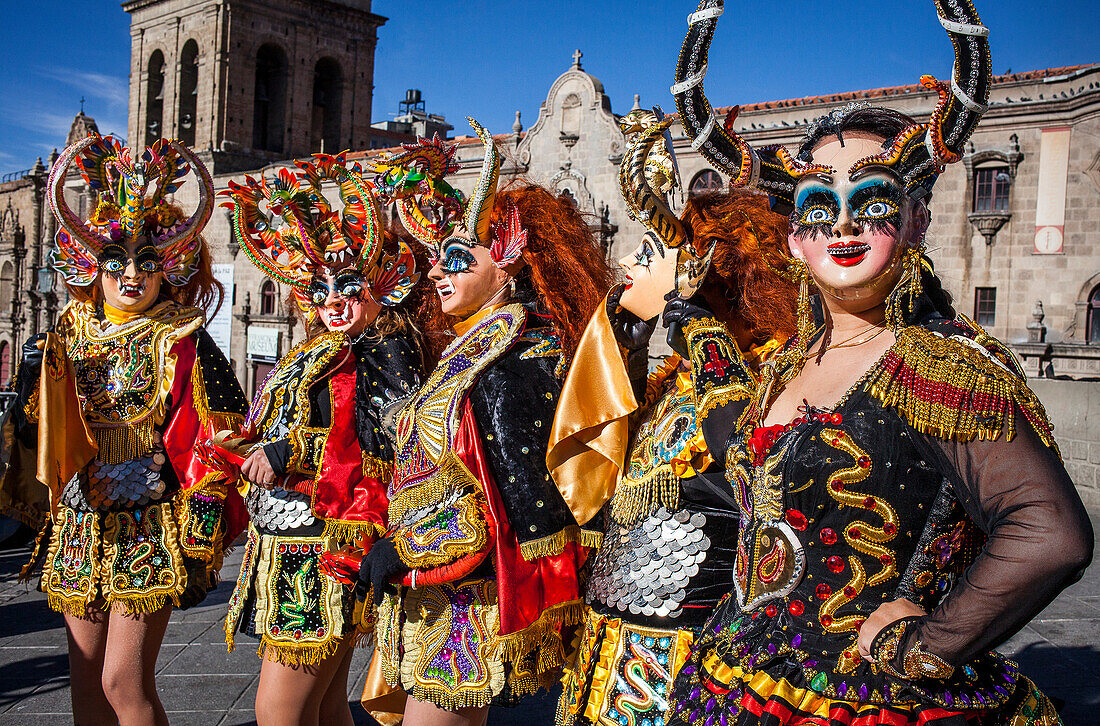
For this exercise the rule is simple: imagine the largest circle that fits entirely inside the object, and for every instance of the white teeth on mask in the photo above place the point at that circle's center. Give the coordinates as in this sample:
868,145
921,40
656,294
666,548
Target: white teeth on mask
446,288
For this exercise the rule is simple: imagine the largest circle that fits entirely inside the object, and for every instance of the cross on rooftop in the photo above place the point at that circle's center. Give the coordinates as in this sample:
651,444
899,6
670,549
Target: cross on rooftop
577,55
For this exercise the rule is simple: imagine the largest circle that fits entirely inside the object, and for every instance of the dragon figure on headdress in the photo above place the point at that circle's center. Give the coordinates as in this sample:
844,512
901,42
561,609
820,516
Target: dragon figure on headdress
133,205
314,238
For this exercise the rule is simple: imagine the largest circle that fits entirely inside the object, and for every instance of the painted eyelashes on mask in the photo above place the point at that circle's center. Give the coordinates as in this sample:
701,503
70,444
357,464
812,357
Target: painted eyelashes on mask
457,259
349,287
114,265
875,205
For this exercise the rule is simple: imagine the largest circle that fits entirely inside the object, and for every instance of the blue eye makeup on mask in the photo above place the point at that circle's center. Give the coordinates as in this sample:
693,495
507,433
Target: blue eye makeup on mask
457,258
348,285
817,209
878,205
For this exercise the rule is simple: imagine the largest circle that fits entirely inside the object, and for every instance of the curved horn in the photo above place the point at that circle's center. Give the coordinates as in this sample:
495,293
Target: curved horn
360,224
179,249
479,208
769,168
644,204
919,153
80,234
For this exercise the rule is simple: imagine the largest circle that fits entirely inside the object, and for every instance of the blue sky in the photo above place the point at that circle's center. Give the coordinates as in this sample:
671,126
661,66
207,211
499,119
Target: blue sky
490,58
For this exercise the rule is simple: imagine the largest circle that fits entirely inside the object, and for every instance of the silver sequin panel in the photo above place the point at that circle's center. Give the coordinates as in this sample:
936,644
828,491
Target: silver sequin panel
105,487
645,569
276,509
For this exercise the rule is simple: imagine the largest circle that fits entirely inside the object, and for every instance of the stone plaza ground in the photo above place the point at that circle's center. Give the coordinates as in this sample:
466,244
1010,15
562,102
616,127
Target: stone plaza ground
202,685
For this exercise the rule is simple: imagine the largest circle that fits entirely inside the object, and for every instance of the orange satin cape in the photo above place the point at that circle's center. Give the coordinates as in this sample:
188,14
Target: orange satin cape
590,438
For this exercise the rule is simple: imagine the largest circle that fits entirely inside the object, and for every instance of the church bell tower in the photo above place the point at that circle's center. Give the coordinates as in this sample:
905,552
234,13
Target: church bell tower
250,81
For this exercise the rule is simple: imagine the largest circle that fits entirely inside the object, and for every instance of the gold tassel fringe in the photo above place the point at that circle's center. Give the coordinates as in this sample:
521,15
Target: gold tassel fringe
296,655
544,634
346,530
117,445
634,500
555,543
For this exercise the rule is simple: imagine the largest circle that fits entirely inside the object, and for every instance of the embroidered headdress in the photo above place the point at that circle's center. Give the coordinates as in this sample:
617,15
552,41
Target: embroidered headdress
916,156
128,209
431,209
314,238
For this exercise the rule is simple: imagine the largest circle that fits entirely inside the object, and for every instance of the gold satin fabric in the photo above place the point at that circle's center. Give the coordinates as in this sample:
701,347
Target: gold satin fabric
116,316
591,433
65,443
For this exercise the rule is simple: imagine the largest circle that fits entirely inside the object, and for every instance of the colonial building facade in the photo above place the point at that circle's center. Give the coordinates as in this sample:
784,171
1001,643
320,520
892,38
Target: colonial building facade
251,86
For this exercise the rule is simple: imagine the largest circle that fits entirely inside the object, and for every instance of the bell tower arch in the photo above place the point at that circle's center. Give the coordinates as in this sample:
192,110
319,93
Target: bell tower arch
240,79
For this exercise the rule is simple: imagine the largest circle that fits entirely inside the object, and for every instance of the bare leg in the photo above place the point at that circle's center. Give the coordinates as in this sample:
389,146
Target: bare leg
335,709
424,713
129,667
293,695
87,643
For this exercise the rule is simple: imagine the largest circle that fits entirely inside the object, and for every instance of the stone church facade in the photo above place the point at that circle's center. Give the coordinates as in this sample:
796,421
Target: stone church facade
1014,234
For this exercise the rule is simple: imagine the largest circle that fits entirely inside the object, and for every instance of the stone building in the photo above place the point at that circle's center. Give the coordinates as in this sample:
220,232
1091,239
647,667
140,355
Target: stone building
252,82
252,86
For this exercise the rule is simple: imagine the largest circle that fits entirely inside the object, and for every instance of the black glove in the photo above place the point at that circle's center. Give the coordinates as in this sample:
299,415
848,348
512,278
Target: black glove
199,583
24,386
678,313
631,332
377,568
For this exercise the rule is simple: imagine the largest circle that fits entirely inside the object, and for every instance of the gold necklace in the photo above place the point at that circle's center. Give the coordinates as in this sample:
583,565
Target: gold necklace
846,343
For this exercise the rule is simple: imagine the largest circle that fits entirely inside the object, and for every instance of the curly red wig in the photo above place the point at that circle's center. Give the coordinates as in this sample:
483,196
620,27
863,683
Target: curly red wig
566,275
743,286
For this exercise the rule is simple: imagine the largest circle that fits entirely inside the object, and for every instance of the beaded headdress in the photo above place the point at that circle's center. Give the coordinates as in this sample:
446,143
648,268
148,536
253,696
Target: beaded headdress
313,238
916,156
431,209
132,205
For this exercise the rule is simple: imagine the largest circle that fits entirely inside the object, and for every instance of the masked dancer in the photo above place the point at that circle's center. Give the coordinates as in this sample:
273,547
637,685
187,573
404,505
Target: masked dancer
480,540
626,444
316,452
114,399
904,506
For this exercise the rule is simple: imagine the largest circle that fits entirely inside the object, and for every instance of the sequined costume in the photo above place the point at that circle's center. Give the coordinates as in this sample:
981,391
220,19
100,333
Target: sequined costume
491,550
141,524
319,417
473,513
934,478
661,566
116,400
327,442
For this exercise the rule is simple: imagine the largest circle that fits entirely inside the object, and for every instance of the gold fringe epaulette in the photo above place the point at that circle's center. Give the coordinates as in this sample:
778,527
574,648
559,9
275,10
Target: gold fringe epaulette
954,388
555,543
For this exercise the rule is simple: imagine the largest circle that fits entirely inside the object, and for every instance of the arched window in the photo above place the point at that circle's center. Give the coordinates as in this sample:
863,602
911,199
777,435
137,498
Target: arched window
154,98
567,195
5,364
269,101
328,90
267,298
7,278
1092,326
188,92
707,180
